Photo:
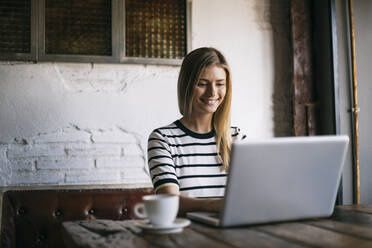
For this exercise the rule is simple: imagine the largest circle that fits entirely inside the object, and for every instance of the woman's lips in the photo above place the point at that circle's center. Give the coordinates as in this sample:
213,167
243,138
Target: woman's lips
210,101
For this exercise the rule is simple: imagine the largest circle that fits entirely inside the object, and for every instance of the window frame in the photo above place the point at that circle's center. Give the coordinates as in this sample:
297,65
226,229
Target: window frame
32,56
38,54
80,58
156,61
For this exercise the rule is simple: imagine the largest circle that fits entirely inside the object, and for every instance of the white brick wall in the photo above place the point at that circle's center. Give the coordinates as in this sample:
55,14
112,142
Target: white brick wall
92,150
37,177
124,162
132,150
93,176
27,151
69,137
74,156
134,173
23,164
65,163
113,137
3,149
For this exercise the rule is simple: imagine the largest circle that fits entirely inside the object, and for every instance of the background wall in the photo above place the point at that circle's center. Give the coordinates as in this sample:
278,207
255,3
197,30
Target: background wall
363,41
81,123
344,90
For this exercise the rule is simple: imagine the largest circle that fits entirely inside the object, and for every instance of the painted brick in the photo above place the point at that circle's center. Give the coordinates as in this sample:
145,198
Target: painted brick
93,176
5,172
3,149
129,161
23,164
132,150
69,163
25,151
138,173
113,137
3,180
137,180
93,150
63,137
38,177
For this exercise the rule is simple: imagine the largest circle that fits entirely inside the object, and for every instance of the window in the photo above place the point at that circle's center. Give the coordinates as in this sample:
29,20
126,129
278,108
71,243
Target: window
116,31
74,27
155,29
16,37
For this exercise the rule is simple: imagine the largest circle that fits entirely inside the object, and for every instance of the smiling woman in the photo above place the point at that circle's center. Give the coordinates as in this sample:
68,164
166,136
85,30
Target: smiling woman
190,156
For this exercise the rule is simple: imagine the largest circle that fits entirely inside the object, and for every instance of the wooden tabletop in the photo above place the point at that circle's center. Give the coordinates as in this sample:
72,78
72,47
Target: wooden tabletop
349,226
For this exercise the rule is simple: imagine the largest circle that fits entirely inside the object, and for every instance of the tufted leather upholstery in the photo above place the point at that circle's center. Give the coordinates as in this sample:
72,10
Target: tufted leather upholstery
32,218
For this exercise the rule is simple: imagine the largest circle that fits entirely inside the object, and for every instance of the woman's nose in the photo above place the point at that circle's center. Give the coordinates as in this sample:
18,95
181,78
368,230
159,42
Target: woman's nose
212,90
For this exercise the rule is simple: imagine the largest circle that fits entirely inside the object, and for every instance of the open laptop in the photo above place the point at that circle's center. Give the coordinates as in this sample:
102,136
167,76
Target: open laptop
280,179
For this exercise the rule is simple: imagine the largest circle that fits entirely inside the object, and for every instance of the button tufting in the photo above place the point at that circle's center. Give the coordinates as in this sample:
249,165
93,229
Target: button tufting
124,211
91,211
40,238
21,211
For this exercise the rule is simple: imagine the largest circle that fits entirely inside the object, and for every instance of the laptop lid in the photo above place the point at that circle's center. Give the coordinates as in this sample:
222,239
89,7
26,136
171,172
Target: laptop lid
283,179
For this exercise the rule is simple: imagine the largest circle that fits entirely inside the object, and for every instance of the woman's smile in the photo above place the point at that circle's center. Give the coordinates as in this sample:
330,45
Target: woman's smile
210,102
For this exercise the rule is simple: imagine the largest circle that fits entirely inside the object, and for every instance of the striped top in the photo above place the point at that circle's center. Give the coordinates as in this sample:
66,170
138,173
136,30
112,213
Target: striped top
179,156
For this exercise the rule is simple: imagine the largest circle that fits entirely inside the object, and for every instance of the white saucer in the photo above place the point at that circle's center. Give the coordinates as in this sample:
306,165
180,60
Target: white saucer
175,227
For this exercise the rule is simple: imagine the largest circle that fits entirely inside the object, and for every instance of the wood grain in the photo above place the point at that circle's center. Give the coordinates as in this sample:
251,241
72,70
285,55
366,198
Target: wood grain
361,208
314,236
101,233
243,236
354,217
188,238
349,226
346,228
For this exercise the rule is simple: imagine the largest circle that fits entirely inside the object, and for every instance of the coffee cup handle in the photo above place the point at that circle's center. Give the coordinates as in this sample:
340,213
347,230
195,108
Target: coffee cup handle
142,213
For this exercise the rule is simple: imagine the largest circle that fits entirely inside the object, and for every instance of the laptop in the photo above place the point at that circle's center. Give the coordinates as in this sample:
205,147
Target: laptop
280,179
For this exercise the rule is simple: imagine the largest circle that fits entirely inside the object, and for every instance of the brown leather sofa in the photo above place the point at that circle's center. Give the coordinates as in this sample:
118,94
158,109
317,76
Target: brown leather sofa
33,218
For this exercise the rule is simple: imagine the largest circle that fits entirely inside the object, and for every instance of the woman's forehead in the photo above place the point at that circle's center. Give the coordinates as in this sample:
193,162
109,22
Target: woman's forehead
214,71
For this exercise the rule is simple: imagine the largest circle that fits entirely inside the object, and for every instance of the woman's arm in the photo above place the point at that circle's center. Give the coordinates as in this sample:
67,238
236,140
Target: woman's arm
162,171
189,204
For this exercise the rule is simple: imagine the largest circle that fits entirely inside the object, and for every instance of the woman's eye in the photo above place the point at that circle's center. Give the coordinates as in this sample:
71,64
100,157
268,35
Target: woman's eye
202,84
220,84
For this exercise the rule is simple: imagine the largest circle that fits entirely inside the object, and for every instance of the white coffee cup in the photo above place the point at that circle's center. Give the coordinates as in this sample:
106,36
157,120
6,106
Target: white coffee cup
160,209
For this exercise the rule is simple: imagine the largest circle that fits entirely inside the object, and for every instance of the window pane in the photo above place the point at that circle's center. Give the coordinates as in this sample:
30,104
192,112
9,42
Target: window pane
80,27
15,26
155,29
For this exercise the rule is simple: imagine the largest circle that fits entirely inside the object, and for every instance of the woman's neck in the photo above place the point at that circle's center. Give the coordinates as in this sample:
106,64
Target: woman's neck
198,125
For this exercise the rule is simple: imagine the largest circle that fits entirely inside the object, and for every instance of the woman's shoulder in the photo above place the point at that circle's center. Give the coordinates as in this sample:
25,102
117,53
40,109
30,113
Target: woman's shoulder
165,131
170,126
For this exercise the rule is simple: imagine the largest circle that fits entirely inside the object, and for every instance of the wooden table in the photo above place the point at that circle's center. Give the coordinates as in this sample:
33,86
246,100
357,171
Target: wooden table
349,226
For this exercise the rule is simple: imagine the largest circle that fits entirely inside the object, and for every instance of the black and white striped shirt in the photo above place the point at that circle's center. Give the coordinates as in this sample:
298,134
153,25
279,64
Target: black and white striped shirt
179,156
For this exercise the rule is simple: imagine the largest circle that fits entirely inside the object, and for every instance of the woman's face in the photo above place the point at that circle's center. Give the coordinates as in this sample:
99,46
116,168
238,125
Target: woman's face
210,91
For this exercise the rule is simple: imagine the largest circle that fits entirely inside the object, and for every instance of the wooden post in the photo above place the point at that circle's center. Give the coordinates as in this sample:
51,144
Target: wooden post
355,109
304,107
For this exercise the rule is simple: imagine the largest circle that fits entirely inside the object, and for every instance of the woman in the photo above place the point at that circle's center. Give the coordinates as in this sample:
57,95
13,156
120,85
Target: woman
190,157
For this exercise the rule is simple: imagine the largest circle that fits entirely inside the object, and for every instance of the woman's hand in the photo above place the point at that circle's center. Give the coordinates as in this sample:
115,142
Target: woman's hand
192,204
213,204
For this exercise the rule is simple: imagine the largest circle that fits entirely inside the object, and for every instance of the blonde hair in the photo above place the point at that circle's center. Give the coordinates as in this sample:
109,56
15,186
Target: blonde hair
192,67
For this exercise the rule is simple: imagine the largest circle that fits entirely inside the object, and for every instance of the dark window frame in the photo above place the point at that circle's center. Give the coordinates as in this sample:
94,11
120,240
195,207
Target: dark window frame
38,54
32,56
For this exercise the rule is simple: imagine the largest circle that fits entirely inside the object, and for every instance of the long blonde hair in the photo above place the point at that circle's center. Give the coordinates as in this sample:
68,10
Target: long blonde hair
192,67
